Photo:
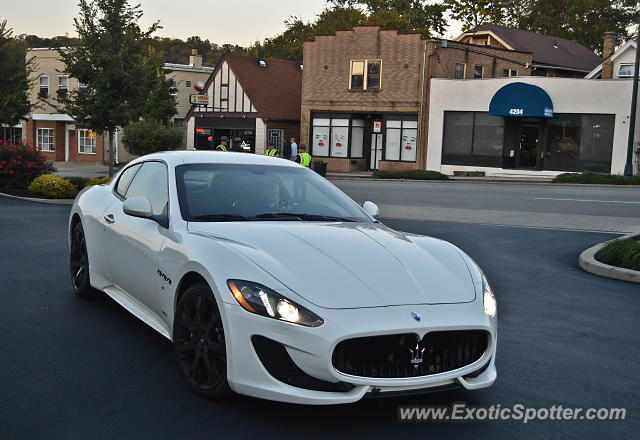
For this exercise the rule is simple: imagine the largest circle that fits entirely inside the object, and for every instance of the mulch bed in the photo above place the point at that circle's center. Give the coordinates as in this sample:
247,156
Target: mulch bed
25,193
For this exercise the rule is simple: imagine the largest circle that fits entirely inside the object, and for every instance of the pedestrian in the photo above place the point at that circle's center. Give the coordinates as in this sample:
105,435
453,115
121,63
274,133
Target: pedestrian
223,144
237,145
303,158
272,150
286,150
294,149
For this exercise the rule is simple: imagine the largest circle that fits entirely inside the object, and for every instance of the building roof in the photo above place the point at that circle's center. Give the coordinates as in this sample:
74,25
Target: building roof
625,47
188,68
275,89
546,50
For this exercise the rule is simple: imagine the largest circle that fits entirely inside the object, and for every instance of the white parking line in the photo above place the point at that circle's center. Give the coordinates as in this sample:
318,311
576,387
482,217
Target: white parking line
585,200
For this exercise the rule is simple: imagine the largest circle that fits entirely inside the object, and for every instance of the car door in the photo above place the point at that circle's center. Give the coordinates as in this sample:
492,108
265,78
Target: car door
131,244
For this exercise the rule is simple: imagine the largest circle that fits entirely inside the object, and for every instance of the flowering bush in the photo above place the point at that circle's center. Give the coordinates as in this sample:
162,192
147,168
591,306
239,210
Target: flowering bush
54,186
20,164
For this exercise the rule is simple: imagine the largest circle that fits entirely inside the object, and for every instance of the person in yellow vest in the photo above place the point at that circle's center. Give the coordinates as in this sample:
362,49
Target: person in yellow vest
303,158
223,144
272,151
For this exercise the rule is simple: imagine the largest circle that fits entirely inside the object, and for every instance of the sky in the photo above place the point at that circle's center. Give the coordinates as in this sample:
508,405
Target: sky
239,22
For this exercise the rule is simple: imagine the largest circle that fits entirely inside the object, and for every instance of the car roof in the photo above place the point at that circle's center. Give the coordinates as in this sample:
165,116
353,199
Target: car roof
181,157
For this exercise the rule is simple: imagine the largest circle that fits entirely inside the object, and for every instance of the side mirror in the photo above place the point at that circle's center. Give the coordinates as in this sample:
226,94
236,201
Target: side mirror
371,208
138,207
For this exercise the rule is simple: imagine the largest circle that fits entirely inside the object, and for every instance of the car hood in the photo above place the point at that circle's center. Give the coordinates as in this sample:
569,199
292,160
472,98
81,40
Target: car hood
350,265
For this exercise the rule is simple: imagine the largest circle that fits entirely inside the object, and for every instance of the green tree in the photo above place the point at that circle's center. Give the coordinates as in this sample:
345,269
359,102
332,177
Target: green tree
14,71
476,12
148,136
124,78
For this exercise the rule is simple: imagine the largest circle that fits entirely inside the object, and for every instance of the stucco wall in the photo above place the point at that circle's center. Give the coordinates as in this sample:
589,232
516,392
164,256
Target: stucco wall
568,96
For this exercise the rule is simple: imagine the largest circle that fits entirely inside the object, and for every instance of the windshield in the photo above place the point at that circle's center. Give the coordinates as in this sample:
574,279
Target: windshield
233,192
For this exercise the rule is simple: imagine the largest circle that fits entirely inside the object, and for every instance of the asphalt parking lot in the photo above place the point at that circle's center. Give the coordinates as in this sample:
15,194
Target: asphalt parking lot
76,369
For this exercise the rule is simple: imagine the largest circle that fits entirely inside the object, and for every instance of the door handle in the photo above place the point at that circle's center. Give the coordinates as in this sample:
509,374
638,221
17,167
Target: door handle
109,218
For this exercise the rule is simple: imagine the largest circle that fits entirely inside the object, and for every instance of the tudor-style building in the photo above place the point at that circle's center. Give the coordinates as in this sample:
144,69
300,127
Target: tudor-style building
257,100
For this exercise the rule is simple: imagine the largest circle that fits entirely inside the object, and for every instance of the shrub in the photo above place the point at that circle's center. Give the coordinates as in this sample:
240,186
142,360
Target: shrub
621,253
79,182
148,136
594,178
20,164
97,181
410,174
53,186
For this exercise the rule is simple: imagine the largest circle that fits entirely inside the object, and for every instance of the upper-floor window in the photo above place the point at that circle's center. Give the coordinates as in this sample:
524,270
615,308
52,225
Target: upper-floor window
509,73
174,88
625,70
187,83
460,70
478,71
365,74
63,84
82,86
224,91
43,85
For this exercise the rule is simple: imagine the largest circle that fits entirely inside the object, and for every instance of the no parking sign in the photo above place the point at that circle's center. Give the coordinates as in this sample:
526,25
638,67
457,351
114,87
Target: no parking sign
377,126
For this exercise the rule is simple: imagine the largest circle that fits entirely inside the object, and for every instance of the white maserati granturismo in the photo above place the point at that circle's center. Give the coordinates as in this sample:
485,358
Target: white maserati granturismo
271,282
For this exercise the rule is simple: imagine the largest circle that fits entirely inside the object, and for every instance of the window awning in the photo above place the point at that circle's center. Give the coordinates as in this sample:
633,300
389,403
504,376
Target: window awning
520,99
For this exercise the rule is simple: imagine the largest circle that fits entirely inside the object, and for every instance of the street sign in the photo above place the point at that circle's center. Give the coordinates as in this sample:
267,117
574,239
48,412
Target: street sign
377,126
199,99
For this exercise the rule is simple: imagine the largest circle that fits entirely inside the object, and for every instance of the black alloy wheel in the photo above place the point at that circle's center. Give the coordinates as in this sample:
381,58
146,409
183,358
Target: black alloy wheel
199,344
79,265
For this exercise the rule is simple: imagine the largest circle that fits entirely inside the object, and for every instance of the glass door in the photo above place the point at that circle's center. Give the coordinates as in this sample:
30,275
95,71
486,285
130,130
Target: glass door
376,150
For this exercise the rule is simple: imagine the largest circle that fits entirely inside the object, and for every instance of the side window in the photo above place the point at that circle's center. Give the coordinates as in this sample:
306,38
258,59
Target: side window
151,181
125,179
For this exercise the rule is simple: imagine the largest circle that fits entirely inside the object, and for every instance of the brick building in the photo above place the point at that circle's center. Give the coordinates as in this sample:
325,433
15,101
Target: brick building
255,99
365,93
46,127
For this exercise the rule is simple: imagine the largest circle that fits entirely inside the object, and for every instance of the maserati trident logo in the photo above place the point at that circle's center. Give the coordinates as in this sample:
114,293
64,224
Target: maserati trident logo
417,356
415,316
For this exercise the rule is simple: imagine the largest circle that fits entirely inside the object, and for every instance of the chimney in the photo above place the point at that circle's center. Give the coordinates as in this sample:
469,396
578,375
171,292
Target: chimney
608,47
195,60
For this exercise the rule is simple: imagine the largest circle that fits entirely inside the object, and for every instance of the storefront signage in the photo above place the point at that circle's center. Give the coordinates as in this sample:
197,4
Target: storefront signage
520,99
199,99
516,112
377,126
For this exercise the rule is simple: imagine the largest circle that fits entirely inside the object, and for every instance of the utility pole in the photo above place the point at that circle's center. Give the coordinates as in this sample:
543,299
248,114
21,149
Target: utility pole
628,168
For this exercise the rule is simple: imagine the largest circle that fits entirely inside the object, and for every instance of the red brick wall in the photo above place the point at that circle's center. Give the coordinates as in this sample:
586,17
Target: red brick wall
396,166
342,165
29,133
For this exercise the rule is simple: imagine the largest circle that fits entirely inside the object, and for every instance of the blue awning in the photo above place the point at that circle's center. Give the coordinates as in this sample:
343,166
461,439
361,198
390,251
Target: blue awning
520,99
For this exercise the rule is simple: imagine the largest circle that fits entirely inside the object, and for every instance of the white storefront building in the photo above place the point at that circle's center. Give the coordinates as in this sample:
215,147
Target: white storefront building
530,126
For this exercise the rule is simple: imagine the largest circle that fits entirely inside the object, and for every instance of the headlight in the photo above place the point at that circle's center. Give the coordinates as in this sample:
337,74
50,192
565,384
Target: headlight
488,298
256,298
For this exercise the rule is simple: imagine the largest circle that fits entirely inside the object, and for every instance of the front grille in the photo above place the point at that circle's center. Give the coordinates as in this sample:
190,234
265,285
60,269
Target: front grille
391,356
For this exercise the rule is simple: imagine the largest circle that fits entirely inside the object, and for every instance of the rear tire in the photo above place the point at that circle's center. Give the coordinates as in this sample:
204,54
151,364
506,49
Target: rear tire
79,265
199,343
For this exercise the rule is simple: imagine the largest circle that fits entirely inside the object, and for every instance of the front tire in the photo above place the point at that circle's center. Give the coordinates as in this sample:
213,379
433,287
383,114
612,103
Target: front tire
79,265
199,344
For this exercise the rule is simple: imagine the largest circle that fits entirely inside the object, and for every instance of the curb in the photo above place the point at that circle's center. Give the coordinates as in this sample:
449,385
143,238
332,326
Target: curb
481,182
46,201
587,261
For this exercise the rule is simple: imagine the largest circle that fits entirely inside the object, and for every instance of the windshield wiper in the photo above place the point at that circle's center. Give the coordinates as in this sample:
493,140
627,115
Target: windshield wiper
221,218
303,217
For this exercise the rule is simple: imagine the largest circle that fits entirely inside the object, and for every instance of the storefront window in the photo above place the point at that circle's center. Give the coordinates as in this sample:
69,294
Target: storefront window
320,143
339,137
392,144
401,140
458,132
473,138
488,135
563,142
357,137
597,139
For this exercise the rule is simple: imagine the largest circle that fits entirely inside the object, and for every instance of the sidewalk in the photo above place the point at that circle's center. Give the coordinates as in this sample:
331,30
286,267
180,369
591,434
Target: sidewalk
88,170
368,175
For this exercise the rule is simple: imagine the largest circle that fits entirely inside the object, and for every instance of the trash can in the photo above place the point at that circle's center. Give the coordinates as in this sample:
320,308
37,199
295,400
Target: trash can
320,167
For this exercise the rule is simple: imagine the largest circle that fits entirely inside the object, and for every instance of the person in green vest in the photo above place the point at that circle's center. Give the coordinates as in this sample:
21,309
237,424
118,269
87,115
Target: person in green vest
303,158
272,150
223,144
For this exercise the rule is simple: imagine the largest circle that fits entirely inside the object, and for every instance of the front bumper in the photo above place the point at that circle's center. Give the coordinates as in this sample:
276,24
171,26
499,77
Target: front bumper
311,350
